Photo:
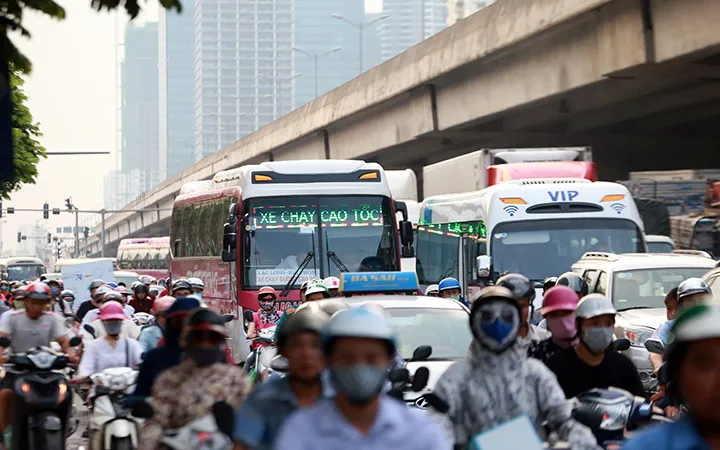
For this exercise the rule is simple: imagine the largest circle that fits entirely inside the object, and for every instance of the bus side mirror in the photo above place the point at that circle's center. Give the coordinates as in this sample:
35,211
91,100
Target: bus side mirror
407,238
401,207
229,252
483,265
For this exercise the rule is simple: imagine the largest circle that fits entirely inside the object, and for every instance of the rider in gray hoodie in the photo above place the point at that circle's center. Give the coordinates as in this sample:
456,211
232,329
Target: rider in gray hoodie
497,382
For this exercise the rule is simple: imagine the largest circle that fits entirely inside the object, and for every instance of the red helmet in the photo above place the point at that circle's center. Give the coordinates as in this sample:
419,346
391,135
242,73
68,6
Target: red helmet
162,304
38,291
267,290
559,298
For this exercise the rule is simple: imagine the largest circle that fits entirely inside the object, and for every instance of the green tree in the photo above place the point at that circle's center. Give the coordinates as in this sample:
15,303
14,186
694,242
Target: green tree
11,15
27,150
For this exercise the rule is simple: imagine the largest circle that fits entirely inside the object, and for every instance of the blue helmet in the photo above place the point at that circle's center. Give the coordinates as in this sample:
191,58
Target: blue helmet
112,284
449,283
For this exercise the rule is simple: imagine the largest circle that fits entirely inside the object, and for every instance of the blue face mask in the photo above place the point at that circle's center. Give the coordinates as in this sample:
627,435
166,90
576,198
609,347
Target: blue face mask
497,330
198,295
55,291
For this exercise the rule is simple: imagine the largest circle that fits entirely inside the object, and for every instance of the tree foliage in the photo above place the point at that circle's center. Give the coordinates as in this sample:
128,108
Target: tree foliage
27,150
11,17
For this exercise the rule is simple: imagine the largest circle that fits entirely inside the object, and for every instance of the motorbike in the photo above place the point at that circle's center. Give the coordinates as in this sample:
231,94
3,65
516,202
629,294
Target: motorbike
403,383
262,369
112,427
42,398
212,431
142,319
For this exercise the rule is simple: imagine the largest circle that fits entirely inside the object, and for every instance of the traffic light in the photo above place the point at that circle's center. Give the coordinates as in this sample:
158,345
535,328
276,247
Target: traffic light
68,204
86,232
1,209
59,253
49,238
10,210
19,237
46,211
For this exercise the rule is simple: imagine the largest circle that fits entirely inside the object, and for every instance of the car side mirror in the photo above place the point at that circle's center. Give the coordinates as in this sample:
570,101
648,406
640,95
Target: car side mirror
420,379
229,252
422,353
483,266
620,345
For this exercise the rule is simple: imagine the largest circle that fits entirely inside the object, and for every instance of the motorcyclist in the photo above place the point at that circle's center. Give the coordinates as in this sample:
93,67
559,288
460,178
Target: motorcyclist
333,286
169,354
691,292
4,290
589,364
693,360
181,288
142,300
319,291
450,288
558,308
358,345
57,303
266,316
549,283
197,286
150,335
18,303
107,295
26,328
497,382
574,282
68,297
128,330
259,419
432,291
188,391
524,290
82,307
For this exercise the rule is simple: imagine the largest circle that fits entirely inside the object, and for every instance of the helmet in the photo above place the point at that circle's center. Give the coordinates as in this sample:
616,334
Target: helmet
55,282
448,283
432,289
205,319
304,286
692,286
181,284
559,298
267,290
549,282
139,287
312,316
315,288
358,322
574,282
96,284
145,280
122,290
67,294
113,296
162,304
329,306
112,284
594,305
196,283
19,293
101,291
518,284
37,291
112,310
332,283
134,284
494,294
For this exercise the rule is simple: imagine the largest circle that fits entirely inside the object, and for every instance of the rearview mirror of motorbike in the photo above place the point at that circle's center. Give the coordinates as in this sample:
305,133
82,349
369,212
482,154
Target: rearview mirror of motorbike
228,318
75,341
90,329
588,416
422,353
655,346
437,403
279,364
620,345
224,418
142,410
4,342
420,379
399,376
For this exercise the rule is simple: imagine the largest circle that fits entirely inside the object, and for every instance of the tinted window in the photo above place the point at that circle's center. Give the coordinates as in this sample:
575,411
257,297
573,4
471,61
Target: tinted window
646,288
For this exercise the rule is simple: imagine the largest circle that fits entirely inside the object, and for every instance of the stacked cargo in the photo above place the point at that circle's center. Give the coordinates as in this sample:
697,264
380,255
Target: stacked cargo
682,191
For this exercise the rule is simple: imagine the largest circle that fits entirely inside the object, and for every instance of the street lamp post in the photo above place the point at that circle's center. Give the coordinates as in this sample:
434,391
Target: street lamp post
315,57
277,88
361,27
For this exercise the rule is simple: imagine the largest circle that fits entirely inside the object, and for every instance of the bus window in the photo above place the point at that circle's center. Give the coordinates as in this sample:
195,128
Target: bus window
176,229
437,254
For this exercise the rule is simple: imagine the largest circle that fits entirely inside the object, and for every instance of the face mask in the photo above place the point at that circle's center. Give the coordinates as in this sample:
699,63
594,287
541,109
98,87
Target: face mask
359,383
496,326
455,297
4,288
267,305
204,357
198,295
597,339
113,327
55,291
19,304
563,329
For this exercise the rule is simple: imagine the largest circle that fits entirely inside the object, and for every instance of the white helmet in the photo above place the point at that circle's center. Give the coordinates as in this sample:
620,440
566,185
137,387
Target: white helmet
432,289
332,283
594,305
315,288
196,283
359,322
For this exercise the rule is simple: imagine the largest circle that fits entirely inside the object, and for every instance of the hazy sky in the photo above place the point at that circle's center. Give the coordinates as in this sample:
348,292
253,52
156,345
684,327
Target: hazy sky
72,93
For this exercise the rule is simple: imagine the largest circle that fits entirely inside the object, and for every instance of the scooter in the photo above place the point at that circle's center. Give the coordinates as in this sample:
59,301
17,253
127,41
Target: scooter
42,398
142,319
264,355
112,427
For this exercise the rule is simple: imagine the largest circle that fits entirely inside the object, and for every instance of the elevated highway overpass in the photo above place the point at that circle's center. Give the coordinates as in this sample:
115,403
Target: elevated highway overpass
639,80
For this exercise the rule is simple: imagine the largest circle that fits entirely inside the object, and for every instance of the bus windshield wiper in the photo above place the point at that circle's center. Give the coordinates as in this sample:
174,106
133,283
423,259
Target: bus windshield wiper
449,271
332,256
296,274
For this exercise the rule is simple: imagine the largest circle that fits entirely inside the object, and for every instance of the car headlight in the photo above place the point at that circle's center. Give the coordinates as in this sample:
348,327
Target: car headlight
638,336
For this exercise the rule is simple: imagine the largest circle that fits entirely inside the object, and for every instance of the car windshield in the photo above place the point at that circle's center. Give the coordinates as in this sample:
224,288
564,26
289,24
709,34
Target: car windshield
447,331
646,288
543,248
353,232
660,247
25,272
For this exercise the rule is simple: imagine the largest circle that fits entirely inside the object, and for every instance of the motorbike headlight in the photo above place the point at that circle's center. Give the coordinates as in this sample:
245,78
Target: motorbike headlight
42,360
638,336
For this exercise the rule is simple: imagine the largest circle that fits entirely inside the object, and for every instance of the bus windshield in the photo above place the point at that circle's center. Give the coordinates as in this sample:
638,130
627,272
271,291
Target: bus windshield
438,250
543,248
352,233
25,272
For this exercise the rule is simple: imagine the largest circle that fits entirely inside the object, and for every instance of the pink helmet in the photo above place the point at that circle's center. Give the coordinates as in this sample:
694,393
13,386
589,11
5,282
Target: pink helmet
112,310
559,298
162,304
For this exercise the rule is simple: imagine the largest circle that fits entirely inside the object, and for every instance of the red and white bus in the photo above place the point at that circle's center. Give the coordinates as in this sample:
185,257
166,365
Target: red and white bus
281,223
145,256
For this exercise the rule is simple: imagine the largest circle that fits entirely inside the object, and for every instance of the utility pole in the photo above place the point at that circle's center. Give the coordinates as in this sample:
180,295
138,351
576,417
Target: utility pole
361,28
102,233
